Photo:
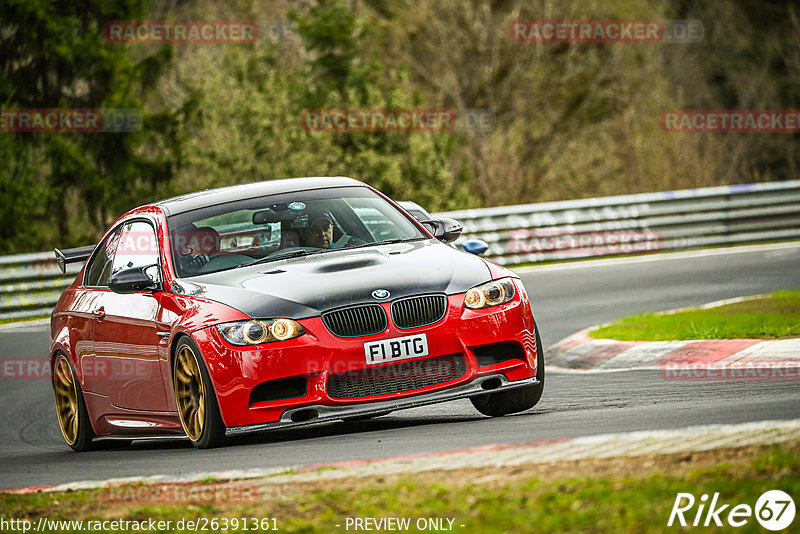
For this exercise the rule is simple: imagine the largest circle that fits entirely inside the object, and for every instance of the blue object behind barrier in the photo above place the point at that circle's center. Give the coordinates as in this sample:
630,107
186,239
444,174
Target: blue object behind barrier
475,246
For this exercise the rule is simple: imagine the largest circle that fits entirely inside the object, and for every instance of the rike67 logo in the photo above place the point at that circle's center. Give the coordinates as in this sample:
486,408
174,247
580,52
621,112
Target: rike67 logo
774,510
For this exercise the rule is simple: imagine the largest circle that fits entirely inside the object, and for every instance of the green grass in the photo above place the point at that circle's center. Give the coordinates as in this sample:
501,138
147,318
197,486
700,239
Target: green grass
615,503
774,317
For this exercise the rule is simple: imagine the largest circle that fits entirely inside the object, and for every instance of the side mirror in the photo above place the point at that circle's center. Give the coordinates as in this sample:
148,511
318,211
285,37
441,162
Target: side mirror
475,246
445,229
132,280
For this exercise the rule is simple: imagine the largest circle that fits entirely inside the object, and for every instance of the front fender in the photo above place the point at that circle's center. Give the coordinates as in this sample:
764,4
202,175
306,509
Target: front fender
182,315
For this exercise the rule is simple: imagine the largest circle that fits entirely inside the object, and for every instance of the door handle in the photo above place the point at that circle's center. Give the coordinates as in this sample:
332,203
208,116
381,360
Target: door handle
99,313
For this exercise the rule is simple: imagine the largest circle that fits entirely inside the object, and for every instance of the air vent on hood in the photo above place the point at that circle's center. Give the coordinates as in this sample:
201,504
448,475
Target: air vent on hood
333,267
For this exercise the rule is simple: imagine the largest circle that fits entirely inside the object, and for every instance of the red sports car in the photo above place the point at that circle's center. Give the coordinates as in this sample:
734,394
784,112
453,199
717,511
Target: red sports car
277,304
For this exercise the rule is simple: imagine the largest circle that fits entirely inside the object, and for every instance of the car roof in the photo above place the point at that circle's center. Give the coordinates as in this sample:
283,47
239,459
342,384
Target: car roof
210,197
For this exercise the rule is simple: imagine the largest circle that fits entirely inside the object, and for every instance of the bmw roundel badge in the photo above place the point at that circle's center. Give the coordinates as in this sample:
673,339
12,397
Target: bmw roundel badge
381,294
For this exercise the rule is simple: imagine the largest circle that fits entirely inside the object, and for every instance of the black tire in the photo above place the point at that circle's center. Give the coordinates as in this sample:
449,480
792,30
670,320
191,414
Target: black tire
514,400
73,418
211,430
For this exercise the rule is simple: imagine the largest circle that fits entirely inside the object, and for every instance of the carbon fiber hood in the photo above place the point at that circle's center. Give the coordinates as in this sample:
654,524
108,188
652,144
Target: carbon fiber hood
307,286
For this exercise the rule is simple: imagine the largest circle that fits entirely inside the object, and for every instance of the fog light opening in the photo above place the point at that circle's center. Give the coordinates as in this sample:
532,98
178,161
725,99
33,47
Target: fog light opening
301,416
492,383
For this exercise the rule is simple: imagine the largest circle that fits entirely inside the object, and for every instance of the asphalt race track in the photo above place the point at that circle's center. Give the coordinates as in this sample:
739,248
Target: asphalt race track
567,297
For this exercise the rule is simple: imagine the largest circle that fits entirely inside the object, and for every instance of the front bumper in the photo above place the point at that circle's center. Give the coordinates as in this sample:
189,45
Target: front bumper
318,355
321,413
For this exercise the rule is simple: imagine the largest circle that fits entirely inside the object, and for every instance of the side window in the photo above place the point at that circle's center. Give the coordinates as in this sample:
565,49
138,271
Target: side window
137,248
99,269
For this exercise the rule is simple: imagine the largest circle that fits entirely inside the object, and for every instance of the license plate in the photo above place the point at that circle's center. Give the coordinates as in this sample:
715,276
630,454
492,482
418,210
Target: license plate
398,348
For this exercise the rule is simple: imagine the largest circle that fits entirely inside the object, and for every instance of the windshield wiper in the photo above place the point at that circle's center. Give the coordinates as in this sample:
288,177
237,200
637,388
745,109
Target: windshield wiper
277,256
388,242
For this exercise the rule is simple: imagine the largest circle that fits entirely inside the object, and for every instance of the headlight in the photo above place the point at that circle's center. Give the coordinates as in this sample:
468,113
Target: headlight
491,294
257,331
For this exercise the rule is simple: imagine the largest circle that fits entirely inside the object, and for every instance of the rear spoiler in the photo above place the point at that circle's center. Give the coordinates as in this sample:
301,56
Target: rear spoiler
72,255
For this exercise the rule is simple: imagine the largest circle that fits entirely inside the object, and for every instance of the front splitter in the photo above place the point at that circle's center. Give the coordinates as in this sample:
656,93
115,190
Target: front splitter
320,413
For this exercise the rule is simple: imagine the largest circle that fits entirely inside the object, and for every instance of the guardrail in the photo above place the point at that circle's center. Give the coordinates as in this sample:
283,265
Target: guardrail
635,224
30,284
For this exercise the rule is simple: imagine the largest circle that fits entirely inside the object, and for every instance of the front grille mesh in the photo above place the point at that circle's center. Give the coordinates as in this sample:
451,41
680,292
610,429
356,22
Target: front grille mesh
401,376
356,321
418,311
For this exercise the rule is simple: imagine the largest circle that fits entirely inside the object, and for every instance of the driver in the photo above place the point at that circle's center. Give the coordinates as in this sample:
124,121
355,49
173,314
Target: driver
319,233
195,246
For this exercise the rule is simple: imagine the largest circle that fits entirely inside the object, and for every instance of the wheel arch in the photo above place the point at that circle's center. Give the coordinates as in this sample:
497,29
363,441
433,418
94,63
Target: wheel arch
172,353
57,350
173,348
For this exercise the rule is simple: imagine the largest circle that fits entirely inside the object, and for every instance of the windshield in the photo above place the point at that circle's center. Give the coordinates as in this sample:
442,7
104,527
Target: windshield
259,230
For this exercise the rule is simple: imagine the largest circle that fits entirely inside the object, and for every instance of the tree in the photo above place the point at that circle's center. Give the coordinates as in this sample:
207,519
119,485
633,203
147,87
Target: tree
342,71
52,55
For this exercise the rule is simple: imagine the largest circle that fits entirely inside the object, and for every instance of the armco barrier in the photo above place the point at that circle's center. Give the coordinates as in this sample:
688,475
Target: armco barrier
30,284
633,224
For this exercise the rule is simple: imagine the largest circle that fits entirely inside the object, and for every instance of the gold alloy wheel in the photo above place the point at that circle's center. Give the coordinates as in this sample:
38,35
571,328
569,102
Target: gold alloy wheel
190,393
66,399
